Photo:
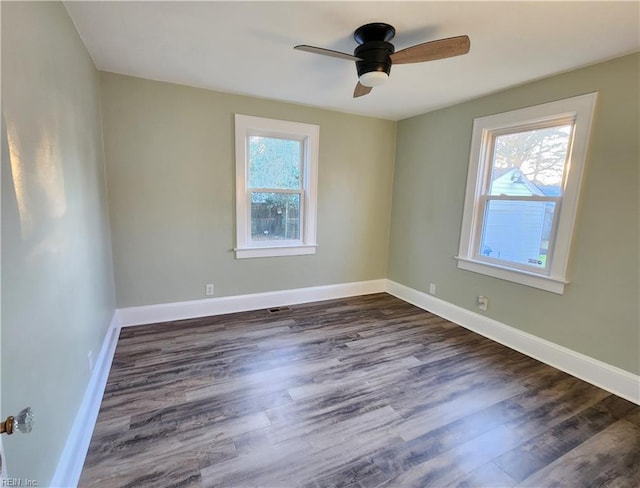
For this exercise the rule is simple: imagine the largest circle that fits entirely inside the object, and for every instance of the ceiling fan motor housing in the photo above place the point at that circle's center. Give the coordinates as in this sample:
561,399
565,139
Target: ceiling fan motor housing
374,48
375,56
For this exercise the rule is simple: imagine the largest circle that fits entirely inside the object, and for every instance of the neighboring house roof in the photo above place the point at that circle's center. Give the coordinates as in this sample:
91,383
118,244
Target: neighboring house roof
551,190
513,182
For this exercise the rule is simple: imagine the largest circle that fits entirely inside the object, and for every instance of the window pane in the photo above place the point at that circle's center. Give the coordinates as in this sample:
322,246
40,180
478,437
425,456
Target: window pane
274,163
530,162
275,216
517,231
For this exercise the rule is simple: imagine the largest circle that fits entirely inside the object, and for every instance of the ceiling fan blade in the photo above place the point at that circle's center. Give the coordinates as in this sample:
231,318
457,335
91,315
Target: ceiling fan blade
361,90
326,52
430,51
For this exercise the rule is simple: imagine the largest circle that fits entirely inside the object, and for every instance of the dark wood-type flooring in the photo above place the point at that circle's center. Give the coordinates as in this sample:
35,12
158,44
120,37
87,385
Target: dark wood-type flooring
361,392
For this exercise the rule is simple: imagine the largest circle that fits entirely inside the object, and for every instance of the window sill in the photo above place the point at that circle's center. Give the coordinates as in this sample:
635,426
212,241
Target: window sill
546,283
274,251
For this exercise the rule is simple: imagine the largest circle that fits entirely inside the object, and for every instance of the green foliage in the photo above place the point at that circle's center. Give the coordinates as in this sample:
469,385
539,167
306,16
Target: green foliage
274,163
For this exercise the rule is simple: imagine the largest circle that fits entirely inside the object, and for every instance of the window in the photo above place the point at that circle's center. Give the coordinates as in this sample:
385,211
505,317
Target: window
276,187
523,184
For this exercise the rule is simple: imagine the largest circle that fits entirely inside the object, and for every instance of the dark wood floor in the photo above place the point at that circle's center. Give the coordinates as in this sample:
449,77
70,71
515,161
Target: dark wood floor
361,392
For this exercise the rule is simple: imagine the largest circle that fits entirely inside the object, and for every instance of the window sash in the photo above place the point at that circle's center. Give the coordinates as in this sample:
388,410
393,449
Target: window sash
491,135
275,242
480,224
484,198
304,147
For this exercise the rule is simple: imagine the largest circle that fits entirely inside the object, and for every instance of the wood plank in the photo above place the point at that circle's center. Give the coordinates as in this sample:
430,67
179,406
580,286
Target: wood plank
488,476
545,448
609,458
362,392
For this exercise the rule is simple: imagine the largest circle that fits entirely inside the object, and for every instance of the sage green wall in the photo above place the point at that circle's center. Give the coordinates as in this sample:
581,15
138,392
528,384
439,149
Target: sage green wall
598,314
170,169
57,278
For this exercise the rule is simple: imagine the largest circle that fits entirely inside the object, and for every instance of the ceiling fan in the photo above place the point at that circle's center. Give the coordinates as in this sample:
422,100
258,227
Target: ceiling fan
374,54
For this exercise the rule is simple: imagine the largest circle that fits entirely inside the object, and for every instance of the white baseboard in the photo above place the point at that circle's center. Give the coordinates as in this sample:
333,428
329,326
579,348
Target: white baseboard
598,373
164,312
603,375
75,451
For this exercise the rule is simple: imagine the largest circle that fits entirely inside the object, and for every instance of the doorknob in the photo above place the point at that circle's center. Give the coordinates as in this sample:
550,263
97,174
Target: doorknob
22,422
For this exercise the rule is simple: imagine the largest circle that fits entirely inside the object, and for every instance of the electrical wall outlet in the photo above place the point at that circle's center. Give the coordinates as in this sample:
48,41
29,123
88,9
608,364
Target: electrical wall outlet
208,291
432,288
483,303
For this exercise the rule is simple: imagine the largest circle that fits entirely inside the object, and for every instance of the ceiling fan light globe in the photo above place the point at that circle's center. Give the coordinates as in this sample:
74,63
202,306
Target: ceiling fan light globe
373,78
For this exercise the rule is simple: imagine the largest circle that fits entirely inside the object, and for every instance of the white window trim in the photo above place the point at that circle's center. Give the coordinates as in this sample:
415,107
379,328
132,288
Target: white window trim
246,125
579,108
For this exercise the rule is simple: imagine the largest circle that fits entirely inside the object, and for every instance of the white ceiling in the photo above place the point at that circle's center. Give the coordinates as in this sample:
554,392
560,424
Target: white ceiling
246,47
